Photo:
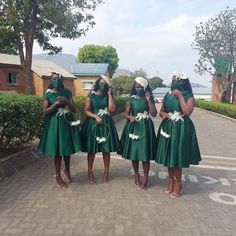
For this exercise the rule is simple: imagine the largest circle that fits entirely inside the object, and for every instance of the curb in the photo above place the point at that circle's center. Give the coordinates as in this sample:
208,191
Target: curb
217,114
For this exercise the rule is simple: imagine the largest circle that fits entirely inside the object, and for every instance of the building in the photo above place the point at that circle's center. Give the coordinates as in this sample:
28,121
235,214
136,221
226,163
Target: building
12,77
85,75
78,77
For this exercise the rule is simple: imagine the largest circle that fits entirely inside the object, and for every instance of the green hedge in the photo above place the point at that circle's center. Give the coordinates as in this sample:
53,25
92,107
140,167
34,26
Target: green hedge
21,118
221,108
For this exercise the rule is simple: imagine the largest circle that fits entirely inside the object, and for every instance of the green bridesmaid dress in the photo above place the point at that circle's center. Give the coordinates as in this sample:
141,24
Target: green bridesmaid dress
138,140
177,144
99,137
59,137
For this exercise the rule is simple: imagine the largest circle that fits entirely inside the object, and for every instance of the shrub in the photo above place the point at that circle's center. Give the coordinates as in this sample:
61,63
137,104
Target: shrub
221,108
20,119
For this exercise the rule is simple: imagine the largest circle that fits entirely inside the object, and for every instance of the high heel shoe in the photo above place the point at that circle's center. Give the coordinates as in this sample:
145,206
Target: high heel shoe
91,178
137,180
105,178
67,177
170,188
60,183
176,194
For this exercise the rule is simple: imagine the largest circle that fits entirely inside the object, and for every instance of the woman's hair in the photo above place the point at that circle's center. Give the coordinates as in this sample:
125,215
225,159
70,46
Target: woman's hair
186,85
55,75
50,86
133,91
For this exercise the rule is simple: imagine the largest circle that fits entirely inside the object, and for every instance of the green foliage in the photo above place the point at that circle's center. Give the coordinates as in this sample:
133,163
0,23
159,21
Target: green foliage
215,41
45,19
7,40
140,73
20,121
120,105
79,104
156,82
221,108
42,20
122,85
99,54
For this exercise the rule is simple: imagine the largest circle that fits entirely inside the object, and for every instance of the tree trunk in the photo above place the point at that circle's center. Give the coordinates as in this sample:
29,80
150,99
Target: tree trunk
226,89
28,89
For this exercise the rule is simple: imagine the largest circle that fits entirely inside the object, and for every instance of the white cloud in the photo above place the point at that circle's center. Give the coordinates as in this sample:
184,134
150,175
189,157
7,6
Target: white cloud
162,47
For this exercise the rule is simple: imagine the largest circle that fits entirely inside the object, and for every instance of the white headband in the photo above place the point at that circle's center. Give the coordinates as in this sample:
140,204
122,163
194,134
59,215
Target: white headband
180,75
106,79
143,82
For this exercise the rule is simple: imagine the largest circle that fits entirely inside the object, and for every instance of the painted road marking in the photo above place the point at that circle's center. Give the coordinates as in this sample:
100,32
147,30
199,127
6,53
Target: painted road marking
223,198
192,178
219,157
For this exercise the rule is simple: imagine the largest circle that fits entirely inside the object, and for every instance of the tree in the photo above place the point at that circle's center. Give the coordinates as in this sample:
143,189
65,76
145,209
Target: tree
99,54
41,20
140,73
122,85
156,82
7,41
215,41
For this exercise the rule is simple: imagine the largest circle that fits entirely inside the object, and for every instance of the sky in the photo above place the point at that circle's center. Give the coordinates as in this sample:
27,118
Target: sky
153,34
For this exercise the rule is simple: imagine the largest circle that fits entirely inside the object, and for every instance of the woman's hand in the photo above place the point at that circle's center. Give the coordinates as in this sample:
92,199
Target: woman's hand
99,120
176,93
110,91
62,100
147,95
132,119
164,115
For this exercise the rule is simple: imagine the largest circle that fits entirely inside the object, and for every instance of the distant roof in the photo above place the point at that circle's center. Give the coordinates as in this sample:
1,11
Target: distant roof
87,69
40,67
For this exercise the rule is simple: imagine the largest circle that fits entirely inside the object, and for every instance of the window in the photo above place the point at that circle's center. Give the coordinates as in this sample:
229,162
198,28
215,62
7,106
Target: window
87,84
12,78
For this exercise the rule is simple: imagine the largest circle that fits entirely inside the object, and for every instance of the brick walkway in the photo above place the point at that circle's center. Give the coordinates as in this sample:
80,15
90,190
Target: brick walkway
31,204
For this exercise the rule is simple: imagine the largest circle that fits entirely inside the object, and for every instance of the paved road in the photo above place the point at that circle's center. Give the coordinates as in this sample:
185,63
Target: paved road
31,204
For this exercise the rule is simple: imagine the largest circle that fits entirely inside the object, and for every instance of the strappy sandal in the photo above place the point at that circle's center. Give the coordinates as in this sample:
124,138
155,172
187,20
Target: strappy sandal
170,188
60,183
137,181
105,179
91,179
175,194
67,178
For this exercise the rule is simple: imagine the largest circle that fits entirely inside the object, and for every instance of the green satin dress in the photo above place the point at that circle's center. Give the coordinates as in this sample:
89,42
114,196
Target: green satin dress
177,144
144,147
91,132
59,138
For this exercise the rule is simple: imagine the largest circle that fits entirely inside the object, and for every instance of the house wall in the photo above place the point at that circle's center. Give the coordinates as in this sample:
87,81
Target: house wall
38,85
4,87
79,84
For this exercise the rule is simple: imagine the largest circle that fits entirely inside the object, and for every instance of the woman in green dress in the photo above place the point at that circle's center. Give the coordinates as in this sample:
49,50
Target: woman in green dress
177,141
98,131
60,137
138,137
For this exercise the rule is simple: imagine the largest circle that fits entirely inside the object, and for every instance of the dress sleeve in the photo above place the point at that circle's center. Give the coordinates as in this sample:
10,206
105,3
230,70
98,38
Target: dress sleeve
187,95
46,95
